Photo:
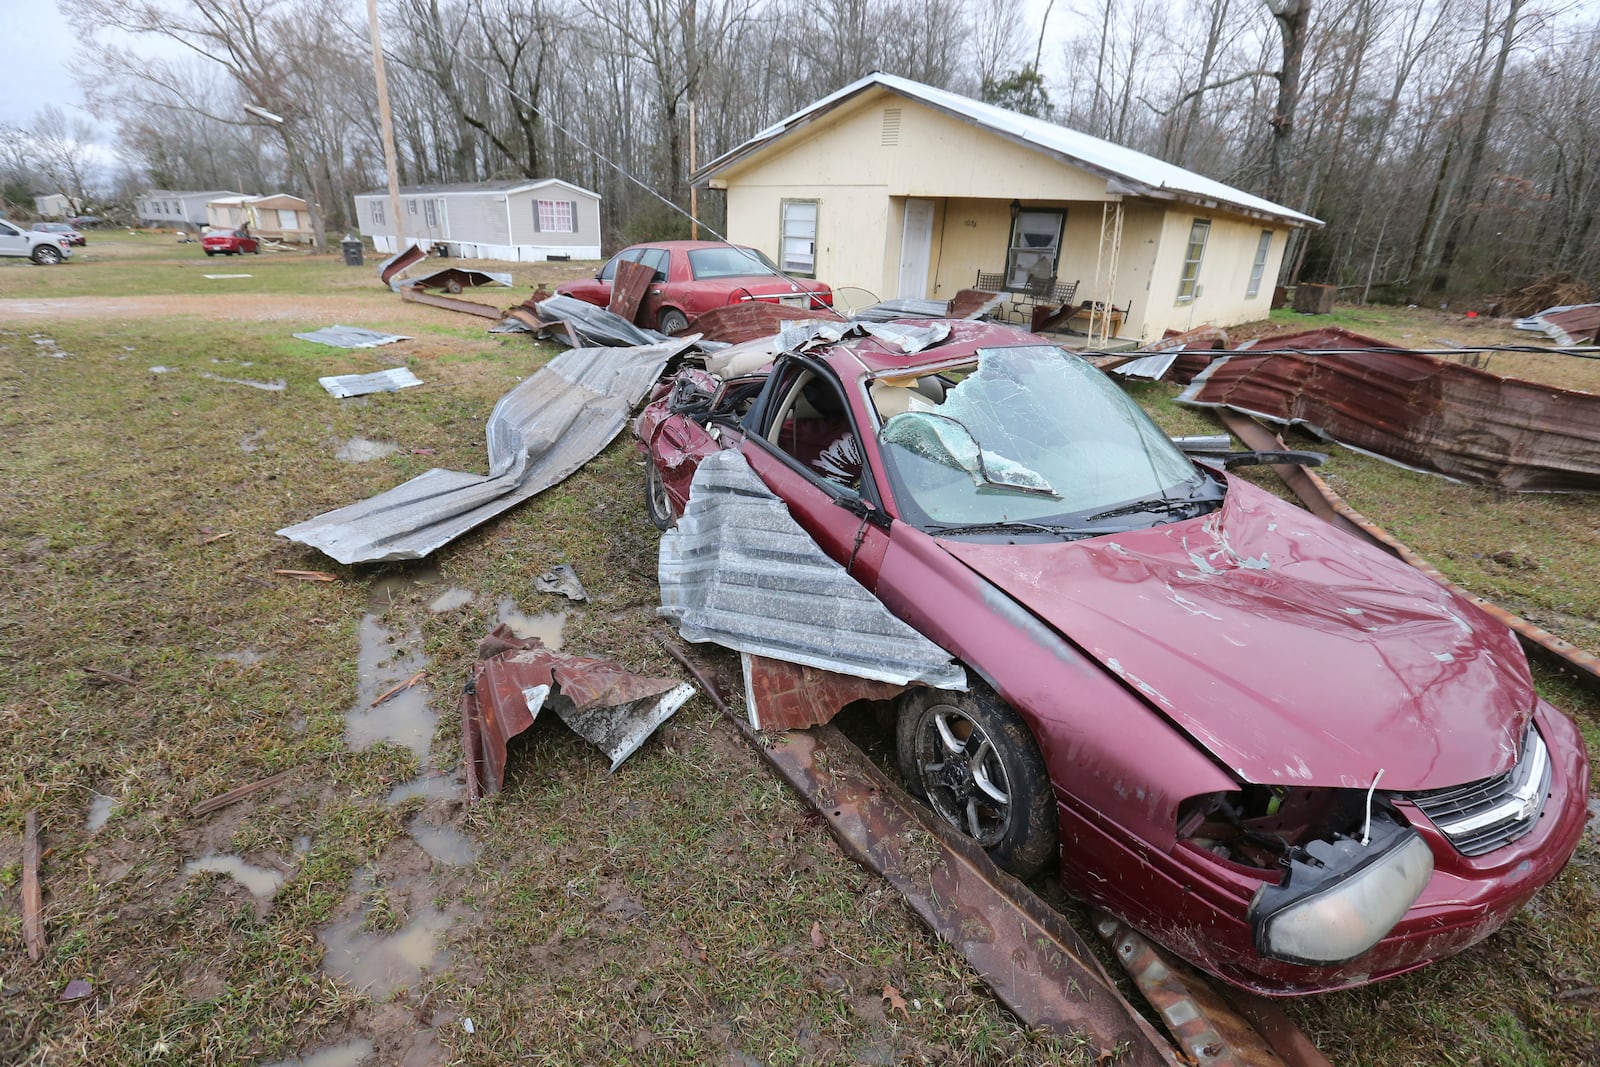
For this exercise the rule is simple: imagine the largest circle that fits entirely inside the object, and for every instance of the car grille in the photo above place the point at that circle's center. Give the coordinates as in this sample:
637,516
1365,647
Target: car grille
1481,816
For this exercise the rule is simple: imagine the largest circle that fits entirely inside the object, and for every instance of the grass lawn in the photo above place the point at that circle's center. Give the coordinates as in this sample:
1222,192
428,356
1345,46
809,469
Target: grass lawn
685,910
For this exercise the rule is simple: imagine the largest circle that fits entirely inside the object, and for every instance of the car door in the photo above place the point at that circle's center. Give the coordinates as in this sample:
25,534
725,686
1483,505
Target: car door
804,441
12,242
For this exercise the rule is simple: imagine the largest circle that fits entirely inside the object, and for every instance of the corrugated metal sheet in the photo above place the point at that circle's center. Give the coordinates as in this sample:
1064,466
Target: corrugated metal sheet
351,337
455,279
539,433
596,325
1420,412
1570,324
737,570
396,265
384,381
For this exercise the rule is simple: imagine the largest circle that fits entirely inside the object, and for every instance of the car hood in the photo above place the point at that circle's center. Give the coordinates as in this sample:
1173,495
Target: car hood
1294,653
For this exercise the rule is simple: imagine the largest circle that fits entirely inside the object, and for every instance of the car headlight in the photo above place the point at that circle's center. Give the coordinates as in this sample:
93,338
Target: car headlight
1342,898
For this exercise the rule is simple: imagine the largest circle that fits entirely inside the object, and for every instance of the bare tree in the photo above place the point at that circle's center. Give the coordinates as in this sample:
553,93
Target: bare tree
252,43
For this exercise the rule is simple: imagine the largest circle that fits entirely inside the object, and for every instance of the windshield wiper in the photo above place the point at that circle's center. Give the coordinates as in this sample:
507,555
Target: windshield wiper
1159,505
1011,526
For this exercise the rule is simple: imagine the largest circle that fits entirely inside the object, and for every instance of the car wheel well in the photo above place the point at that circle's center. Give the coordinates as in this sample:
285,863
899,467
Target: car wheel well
977,763
672,320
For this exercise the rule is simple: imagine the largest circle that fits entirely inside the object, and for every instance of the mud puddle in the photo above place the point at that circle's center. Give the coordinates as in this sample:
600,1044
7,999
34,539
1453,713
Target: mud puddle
262,882
387,660
547,627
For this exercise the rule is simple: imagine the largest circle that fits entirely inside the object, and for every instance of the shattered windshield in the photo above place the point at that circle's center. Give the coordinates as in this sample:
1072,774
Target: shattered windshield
1025,434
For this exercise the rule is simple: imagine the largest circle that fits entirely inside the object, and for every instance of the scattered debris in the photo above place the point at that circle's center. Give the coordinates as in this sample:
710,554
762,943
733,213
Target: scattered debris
32,893
399,263
539,433
595,325
1202,1025
412,294
628,287
707,686
216,537
277,385
737,323
224,277
77,989
1552,290
779,695
108,677
222,800
717,568
561,579
361,450
608,706
455,279
308,576
351,337
1026,952
401,688
1414,409
1572,324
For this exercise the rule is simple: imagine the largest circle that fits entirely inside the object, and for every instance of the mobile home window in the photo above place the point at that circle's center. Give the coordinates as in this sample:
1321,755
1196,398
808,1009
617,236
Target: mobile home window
377,212
1259,267
555,216
798,243
430,213
1035,247
1188,286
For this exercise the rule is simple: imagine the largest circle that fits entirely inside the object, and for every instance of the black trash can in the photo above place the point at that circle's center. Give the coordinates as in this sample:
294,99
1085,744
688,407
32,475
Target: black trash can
352,250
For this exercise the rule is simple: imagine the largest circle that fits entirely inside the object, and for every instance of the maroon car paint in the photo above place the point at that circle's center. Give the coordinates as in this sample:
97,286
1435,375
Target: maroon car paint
1371,665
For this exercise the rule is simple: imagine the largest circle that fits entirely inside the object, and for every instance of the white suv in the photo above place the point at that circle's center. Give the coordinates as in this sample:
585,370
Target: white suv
42,248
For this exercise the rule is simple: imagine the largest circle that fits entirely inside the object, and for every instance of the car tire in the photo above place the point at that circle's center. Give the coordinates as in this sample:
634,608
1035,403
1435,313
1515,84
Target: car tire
672,321
209,253
656,500
976,763
46,256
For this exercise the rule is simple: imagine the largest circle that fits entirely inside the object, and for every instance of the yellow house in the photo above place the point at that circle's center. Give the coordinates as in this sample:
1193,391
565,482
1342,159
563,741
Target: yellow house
910,191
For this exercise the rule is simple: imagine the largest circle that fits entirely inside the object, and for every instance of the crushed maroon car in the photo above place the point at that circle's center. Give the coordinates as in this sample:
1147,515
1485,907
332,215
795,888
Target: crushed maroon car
692,277
1287,756
229,243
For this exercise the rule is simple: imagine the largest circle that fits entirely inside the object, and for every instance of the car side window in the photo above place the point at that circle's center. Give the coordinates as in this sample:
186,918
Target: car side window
812,426
609,271
656,259
8,230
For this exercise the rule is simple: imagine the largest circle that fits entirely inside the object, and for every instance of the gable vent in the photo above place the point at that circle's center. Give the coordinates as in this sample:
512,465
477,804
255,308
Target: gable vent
891,126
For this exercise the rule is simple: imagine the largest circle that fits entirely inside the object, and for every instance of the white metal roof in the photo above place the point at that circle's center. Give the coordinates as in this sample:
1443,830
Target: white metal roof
1144,175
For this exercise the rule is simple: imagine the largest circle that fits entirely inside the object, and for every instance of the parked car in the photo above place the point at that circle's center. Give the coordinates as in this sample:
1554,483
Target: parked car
229,243
1290,758
692,277
86,222
45,249
61,229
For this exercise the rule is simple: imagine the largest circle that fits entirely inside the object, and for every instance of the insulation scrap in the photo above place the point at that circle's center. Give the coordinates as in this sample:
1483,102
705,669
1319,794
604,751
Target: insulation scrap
385,381
351,337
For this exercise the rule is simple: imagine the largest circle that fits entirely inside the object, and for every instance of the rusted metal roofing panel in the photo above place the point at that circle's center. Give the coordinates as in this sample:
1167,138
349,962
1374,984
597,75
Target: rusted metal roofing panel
788,696
1026,952
397,264
413,295
539,433
455,279
1420,412
1570,324
737,323
608,706
628,286
737,570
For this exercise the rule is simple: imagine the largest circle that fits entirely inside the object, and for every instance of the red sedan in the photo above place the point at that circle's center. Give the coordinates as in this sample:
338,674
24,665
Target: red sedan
692,277
1292,759
229,243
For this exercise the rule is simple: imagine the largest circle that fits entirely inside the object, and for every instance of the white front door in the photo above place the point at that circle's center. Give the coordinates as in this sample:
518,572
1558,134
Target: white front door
916,249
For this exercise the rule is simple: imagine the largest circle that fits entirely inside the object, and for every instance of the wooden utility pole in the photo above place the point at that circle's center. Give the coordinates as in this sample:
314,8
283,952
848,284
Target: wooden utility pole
694,190
386,121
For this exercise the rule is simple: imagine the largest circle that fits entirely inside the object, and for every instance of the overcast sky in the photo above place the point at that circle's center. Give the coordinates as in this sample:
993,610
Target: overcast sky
37,45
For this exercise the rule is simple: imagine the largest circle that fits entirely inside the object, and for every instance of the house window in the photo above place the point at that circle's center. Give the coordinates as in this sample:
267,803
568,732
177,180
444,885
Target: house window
1035,248
555,216
798,241
377,212
411,207
430,212
1188,287
1259,267
288,219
